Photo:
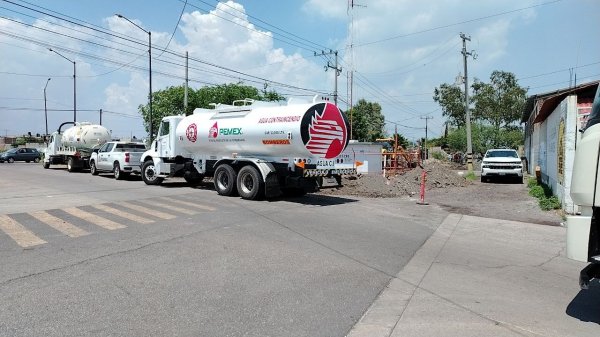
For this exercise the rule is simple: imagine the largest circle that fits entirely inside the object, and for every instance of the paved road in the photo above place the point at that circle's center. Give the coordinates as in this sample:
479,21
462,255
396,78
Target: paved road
84,255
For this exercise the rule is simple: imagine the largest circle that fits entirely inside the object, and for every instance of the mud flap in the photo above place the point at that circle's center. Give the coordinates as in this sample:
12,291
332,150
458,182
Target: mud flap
272,186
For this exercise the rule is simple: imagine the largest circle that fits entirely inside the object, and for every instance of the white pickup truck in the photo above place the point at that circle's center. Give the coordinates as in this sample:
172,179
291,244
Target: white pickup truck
120,158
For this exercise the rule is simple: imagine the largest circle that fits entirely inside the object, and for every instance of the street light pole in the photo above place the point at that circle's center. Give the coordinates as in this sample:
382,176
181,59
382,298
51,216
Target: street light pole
74,84
149,69
46,106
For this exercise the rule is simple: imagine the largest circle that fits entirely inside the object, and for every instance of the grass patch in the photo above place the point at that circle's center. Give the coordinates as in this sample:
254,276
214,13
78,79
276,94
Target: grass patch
470,176
550,203
543,193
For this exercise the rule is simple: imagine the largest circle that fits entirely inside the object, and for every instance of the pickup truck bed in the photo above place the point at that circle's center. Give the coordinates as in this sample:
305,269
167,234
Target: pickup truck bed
120,158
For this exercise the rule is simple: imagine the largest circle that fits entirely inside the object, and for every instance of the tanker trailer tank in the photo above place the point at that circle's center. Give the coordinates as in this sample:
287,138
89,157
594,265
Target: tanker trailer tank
74,145
252,150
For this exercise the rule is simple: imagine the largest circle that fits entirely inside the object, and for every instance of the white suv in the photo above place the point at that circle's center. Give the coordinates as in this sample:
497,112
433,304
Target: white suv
501,163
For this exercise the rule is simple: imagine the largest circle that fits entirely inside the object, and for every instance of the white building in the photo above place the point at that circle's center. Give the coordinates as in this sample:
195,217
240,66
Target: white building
368,155
552,121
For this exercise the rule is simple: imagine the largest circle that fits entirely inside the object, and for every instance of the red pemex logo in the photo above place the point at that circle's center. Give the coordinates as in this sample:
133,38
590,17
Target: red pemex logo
324,130
192,132
214,131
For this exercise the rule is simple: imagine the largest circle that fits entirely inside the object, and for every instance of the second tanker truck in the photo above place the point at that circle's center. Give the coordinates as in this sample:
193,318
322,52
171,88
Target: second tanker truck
251,148
74,145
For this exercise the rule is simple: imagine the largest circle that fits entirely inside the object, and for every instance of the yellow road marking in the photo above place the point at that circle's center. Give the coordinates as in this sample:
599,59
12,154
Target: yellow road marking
93,218
187,203
146,210
59,224
123,214
170,207
22,236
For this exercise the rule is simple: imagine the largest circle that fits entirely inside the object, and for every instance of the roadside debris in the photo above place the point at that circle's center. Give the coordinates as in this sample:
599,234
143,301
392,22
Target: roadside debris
440,174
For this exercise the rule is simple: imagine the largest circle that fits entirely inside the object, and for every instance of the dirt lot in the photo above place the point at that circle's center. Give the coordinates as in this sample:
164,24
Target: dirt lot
446,187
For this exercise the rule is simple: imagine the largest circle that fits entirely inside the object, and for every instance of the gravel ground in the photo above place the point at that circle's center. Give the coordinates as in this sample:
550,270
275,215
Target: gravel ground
446,187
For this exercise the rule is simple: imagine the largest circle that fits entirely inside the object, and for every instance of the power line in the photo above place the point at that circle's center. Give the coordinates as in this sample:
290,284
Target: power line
89,26
456,24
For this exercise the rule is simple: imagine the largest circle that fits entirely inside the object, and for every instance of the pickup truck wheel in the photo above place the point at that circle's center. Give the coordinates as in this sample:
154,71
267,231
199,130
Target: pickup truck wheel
47,165
36,160
250,184
149,174
93,169
117,171
225,180
11,160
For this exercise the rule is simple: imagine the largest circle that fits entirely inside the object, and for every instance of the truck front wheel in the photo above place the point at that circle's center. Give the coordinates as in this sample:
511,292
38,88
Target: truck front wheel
71,165
225,180
149,174
250,184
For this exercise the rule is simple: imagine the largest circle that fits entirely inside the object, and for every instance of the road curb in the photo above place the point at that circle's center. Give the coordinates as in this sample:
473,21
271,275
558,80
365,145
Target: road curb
387,309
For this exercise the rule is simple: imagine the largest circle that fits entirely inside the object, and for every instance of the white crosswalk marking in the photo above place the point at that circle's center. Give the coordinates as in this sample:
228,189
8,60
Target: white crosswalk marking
170,207
187,203
22,236
146,210
93,218
59,224
123,214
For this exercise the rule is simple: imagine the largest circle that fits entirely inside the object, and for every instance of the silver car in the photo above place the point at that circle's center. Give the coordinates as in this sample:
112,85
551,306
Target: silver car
501,163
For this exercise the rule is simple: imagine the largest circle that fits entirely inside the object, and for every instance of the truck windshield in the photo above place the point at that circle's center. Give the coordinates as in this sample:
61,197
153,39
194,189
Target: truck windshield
594,117
507,153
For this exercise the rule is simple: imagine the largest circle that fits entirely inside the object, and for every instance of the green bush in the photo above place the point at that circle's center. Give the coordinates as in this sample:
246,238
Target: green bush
549,203
537,191
438,155
471,176
532,181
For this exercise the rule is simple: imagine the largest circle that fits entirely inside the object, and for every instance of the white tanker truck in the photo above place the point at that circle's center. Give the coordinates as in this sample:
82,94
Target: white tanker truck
74,146
583,231
252,148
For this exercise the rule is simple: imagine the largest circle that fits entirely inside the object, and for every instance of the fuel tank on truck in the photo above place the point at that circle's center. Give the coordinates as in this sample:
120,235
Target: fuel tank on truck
85,135
313,130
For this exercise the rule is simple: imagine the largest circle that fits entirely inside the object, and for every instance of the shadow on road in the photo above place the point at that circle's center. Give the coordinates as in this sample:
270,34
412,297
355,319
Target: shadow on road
315,200
584,306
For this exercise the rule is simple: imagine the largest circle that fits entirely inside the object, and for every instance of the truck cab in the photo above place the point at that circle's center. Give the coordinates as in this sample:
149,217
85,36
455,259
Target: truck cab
583,229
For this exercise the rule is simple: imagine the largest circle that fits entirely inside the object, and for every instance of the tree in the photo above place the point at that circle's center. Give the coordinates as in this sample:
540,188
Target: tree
169,102
482,136
497,106
367,121
499,102
452,101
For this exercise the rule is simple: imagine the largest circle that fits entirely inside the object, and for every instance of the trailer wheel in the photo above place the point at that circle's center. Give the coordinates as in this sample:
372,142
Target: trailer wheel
149,175
93,169
71,164
250,184
225,180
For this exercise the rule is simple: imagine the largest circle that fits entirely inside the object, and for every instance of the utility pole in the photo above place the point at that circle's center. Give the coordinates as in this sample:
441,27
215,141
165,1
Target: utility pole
426,118
46,107
185,92
467,112
100,116
338,71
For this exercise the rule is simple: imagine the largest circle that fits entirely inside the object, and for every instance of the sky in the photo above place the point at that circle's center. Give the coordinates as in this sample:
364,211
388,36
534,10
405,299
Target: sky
397,50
